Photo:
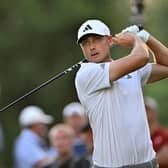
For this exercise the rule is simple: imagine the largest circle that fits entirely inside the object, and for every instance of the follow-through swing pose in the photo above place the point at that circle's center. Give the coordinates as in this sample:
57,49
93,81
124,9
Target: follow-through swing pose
111,92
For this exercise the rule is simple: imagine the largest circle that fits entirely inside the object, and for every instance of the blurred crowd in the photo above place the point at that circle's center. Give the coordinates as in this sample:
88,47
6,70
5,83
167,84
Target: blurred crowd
159,134
69,144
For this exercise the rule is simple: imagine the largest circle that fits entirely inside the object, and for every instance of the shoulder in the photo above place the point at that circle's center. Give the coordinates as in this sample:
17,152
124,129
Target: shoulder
93,76
145,69
87,68
25,136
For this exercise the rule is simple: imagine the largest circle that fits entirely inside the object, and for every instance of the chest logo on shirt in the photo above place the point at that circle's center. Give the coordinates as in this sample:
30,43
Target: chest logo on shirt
129,76
102,65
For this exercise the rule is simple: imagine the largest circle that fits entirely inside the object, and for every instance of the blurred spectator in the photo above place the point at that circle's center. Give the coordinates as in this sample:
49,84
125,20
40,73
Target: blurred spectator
86,135
1,139
159,134
62,138
31,150
74,115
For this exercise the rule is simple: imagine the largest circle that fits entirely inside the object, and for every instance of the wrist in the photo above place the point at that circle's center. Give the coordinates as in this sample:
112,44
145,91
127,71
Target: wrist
144,35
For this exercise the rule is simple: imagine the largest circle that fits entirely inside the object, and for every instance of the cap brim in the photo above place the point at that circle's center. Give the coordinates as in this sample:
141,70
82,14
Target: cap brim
47,119
91,33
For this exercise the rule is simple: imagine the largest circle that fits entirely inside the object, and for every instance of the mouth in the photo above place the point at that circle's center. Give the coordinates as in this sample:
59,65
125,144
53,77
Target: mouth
94,54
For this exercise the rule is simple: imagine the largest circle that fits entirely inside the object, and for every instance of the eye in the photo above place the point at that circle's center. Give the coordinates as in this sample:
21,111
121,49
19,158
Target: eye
84,41
98,37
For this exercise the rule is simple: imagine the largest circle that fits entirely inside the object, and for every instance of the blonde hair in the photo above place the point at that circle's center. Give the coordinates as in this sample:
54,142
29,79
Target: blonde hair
61,127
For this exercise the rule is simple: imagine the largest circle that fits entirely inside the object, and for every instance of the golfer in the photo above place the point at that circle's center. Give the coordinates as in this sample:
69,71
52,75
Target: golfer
111,92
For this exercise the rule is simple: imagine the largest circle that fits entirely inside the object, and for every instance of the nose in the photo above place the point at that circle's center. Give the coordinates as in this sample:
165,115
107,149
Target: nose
92,45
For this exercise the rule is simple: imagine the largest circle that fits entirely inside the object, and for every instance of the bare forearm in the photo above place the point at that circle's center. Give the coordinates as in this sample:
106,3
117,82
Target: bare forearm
140,50
135,60
159,50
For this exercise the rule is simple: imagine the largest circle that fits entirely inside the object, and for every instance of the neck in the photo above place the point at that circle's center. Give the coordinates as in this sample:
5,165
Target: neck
36,132
64,157
109,59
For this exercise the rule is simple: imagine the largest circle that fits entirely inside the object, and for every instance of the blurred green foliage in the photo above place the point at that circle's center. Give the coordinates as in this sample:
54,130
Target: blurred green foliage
38,40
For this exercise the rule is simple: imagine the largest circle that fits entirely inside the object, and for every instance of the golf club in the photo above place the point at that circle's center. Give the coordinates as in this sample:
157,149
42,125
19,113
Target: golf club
43,84
49,81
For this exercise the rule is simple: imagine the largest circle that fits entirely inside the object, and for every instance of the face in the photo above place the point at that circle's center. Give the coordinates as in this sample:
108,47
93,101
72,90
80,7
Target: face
63,142
41,129
76,121
96,48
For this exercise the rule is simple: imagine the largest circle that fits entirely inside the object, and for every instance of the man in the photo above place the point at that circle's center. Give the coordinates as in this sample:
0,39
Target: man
74,116
111,92
159,134
30,150
62,137
86,135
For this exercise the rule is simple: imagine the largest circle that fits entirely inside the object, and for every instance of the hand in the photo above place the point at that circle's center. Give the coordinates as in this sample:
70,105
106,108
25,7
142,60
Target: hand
124,39
132,29
143,34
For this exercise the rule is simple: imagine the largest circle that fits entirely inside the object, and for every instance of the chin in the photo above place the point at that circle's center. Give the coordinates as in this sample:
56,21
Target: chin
96,60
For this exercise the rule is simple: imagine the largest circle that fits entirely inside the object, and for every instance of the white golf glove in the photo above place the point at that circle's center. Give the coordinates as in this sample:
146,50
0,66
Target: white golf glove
133,29
143,34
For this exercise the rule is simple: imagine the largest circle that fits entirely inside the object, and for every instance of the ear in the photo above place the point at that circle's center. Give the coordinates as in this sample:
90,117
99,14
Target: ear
110,40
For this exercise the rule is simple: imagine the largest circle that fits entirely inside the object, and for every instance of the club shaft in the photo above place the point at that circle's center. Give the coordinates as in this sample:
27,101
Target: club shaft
49,81
41,86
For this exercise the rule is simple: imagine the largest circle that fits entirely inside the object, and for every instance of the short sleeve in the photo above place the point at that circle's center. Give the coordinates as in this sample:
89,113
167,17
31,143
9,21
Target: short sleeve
145,73
93,77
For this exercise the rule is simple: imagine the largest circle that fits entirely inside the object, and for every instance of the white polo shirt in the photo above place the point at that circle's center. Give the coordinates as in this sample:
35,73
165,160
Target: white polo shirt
117,114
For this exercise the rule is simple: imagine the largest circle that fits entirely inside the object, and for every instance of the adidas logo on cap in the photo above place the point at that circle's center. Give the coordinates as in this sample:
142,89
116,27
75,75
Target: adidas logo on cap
92,27
88,27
